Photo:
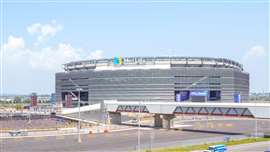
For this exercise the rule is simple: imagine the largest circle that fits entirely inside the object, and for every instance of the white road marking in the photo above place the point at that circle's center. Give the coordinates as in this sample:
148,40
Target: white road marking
181,126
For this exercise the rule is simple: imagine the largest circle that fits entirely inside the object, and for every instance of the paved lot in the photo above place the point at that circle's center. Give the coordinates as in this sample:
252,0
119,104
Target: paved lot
199,132
117,141
253,147
34,122
236,126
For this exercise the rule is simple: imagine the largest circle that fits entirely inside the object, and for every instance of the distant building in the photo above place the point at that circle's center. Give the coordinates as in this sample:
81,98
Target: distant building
33,99
43,98
52,98
68,101
260,96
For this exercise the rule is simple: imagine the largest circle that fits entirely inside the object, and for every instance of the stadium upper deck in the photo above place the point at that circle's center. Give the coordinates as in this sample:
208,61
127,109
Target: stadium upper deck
152,62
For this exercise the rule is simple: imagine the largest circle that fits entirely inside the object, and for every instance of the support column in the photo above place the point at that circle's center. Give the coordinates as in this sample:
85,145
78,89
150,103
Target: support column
167,121
115,117
158,121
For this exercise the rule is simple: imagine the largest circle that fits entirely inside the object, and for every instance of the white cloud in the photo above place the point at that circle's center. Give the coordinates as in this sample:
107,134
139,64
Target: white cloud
52,58
31,65
98,54
43,31
14,49
253,52
14,43
34,28
42,57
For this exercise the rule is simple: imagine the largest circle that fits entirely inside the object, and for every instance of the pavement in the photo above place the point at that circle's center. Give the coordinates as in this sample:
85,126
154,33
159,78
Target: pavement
126,140
69,131
252,147
114,141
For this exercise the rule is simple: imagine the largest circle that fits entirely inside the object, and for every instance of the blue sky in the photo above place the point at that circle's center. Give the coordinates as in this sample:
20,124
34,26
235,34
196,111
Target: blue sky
36,34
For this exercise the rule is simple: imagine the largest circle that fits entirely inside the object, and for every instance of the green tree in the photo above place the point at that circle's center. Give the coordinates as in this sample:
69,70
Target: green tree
18,107
17,99
27,101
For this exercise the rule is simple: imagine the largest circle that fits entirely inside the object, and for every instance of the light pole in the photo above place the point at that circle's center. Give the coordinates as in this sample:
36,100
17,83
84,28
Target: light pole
139,123
256,127
106,117
29,118
79,108
139,127
79,115
152,136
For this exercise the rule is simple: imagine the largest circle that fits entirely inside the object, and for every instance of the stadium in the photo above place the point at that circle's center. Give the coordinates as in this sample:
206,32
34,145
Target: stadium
167,79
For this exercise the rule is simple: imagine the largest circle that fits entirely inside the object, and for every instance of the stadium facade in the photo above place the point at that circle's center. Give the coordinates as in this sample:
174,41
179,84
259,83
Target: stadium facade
170,79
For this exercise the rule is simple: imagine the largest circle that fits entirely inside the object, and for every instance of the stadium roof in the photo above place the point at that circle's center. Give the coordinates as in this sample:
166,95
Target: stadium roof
151,63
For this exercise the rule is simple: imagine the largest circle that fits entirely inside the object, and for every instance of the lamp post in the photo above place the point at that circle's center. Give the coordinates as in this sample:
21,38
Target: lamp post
79,89
256,127
79,115
139,128
139,123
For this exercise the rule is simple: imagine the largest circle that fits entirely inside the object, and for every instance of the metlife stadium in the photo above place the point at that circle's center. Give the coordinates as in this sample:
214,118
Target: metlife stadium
168,79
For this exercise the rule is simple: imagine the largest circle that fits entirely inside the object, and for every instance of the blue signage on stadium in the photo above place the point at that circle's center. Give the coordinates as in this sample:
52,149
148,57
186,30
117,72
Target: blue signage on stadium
178,97
115,60
118,60
198,93
237,98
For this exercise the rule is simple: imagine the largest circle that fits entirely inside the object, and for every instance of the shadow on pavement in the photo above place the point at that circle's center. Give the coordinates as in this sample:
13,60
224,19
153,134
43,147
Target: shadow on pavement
213,132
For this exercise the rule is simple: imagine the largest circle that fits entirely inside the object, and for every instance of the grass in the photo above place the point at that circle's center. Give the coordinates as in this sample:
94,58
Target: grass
205,146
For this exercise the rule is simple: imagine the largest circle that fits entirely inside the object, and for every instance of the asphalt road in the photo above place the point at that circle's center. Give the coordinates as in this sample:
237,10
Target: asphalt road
197,133
252,147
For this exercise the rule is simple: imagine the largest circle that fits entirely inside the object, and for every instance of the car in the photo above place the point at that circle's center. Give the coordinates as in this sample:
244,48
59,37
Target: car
134,121
26,107
18,133
216,148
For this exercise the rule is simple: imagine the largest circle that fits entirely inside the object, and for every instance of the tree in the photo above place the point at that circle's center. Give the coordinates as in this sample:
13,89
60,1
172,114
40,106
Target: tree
27,101
18,99
18,107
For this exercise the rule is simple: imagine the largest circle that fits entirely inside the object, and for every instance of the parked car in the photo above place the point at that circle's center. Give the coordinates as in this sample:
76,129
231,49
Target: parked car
216,148
18,133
